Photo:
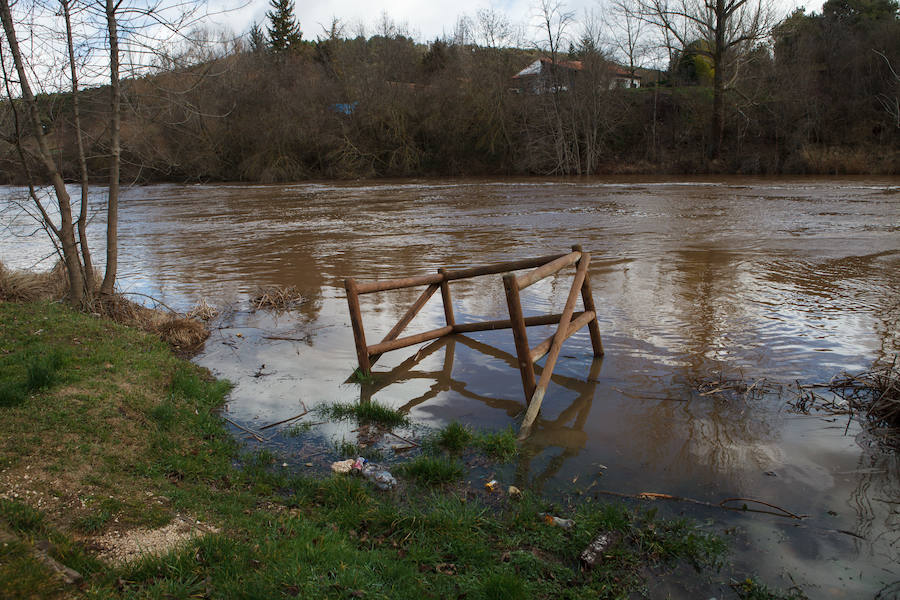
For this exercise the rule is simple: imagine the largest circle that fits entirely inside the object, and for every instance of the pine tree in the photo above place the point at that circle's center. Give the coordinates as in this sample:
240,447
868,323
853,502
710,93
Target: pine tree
257,38
284,31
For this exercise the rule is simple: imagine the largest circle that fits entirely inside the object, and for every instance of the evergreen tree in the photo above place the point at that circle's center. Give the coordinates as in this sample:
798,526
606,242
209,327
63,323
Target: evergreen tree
284,31
257,38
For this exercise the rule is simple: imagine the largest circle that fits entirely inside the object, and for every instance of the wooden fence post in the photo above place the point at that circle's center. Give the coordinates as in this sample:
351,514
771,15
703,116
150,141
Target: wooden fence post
523,352
445,296
359,334
587,298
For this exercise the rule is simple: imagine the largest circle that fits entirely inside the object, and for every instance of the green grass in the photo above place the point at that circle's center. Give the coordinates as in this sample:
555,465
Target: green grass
363,378
751,589
133,438
12,393
501,445
297,429
352,450
22,576
42,371
431,470
366,412
455,438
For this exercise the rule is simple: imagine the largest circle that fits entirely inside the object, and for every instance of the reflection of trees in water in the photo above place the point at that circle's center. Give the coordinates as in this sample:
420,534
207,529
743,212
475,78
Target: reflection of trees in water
876,500
698,436
721,433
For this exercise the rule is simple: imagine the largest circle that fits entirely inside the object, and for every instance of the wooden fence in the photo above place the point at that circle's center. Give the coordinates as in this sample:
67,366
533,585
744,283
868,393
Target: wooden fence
568,322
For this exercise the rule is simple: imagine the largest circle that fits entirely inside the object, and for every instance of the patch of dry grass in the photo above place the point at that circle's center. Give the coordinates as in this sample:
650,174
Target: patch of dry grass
184,333
203,311
30,286
276,298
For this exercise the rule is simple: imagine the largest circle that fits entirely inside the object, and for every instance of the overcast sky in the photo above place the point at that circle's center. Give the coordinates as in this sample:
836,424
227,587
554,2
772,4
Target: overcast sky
425,20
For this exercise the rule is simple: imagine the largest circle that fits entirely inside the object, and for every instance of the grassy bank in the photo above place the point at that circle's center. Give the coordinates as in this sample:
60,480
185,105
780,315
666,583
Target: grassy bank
107,438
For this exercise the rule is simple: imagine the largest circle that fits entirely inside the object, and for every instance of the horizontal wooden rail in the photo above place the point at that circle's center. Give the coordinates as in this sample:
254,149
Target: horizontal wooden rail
410,340
547,270
397,284
506,324
385,285
504,267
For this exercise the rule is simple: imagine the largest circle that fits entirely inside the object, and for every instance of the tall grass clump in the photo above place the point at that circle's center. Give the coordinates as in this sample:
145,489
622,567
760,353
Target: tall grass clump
431,470
366,412
42,371
454,438
501,445
12,393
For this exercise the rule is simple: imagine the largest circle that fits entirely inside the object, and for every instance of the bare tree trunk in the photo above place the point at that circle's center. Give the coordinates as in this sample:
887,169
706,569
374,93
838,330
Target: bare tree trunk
115,91
66,230
718,56
82,161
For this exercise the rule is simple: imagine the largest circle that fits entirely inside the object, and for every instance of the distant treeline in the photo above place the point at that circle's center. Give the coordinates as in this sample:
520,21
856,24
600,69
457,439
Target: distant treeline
821,98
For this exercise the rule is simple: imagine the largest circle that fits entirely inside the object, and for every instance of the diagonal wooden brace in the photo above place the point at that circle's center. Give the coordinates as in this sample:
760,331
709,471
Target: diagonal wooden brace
562,332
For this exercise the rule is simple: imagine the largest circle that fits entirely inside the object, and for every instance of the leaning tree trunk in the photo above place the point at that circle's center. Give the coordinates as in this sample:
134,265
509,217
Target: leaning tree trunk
82,161
66,231
112,212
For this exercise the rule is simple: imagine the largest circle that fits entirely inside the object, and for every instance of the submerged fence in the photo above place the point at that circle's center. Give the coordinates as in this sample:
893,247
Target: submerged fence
568,322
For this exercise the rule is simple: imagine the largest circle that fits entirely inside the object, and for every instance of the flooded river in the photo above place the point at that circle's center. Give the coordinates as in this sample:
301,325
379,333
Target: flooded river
762,281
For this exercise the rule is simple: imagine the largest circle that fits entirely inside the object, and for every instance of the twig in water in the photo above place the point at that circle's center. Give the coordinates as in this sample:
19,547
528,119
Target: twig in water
657,496
258,437
294,418
402,438
158,301
786,512
647,396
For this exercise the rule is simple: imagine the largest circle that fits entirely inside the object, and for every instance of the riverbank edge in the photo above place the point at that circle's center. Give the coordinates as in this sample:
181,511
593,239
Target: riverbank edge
811,161
116,439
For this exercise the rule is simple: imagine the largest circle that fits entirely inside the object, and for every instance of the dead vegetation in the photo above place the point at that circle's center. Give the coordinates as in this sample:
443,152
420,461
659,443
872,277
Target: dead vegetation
277,298
872,395
29,286
184,333
726,387
203,311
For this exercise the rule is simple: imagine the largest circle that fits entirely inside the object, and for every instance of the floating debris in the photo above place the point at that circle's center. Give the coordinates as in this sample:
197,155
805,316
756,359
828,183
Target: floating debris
276,298
722,387
873,395
203,311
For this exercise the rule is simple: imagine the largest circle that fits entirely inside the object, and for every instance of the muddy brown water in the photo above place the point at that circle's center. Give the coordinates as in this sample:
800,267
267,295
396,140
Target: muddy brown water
753,279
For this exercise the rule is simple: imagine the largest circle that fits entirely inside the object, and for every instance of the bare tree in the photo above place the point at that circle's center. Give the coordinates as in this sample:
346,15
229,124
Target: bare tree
65,231
728,29
553,20
87,264
627,32
145,27
891,104
493,28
